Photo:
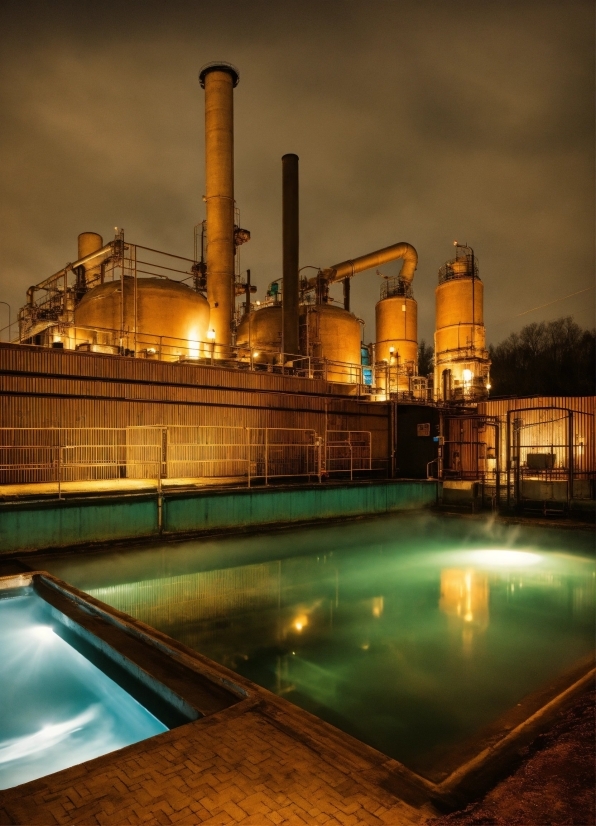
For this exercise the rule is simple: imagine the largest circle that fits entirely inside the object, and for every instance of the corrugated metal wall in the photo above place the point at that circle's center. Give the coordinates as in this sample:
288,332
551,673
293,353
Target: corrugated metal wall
545,428
543,439
53,388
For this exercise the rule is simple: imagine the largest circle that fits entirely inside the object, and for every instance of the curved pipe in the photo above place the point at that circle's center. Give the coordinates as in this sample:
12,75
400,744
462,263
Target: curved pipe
347,269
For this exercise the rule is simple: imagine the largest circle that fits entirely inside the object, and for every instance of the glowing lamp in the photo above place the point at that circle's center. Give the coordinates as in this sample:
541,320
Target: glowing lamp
467,375
211,335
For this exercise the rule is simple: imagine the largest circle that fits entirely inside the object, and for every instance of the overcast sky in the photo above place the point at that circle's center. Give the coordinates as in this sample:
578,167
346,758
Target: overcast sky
414,121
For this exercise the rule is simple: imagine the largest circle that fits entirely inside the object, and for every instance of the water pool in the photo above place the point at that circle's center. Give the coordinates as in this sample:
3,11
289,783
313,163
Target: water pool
412,633
58,709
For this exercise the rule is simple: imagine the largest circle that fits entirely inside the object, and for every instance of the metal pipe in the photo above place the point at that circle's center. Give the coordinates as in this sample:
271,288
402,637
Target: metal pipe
247,291
347,294
219,80
104,252
349,268
290,222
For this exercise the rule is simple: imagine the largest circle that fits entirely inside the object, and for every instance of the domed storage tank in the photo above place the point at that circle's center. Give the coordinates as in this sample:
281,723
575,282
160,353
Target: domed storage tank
169,315
396,316
260,332
334,334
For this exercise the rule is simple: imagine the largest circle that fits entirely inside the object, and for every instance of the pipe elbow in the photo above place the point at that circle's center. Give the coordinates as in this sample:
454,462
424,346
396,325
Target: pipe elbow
410,262
403,250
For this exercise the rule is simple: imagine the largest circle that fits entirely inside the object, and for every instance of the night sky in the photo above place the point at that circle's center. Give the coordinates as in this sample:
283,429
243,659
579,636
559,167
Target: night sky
414,121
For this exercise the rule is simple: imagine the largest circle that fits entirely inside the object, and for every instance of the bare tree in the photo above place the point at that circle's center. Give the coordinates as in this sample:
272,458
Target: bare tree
555,358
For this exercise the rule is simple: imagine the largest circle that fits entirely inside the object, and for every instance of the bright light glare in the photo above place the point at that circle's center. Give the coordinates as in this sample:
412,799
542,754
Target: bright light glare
506,559
301,622
43,632
467,375
210,334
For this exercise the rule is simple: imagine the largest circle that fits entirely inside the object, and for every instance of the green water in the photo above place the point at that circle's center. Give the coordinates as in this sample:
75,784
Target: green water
411,633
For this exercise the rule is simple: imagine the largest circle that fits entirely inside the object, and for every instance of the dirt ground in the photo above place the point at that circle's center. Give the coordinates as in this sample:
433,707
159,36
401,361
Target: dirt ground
554,785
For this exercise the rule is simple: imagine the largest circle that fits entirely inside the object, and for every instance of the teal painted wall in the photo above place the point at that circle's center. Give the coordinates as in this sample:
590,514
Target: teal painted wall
37,526
265,507
62,524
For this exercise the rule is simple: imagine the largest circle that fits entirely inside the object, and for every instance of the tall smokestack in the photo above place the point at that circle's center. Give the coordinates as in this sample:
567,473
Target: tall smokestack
290,253
218,80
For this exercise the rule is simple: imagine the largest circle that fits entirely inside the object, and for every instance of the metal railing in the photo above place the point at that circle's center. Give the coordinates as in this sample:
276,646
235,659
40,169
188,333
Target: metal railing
108,458
173,350
348,452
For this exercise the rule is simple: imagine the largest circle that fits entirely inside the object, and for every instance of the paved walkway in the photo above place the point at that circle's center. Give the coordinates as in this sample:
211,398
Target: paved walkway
97,486
251,764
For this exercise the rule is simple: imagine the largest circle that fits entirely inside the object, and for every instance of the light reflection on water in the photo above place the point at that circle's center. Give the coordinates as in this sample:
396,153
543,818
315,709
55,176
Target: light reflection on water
57,708
411,633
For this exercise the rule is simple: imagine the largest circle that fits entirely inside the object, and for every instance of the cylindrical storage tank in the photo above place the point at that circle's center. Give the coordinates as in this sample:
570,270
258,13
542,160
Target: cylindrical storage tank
397,337
159,318
460,314
334,335
260,333
461,360
89,242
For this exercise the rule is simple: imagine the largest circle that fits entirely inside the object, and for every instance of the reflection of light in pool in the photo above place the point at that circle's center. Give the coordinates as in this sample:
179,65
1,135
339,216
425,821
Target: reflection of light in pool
300,622
505,559
47,737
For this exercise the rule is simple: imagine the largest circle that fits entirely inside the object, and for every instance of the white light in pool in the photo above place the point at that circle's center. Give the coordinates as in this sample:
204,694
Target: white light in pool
506,559
43,632
47,737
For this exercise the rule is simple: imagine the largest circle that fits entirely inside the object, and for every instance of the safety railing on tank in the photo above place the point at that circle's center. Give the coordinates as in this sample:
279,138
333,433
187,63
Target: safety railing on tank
113,342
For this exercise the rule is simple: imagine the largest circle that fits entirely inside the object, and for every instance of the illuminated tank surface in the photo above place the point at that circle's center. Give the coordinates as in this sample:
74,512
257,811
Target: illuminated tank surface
334,334
164,308
260,331
57,709
411,633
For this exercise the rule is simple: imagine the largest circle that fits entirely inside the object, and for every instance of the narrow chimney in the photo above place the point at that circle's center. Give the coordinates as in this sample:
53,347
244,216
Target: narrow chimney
218,80
290,220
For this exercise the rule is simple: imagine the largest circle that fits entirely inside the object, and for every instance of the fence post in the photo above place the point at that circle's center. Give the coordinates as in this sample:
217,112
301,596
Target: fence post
159,478
319,444
59,465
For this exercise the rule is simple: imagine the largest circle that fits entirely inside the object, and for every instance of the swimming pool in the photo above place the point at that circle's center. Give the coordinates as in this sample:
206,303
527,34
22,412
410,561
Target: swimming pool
77,683
414,634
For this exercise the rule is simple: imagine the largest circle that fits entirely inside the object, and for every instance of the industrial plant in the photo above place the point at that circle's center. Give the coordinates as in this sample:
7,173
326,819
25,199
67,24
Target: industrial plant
150,398
138,364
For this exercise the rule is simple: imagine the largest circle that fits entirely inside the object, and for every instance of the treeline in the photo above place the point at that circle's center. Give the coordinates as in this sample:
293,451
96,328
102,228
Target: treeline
552,358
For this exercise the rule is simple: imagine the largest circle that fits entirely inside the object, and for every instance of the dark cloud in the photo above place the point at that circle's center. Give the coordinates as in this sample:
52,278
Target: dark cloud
418,121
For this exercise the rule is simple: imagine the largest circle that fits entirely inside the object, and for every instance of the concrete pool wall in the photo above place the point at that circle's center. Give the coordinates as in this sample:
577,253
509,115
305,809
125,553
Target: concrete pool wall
61,523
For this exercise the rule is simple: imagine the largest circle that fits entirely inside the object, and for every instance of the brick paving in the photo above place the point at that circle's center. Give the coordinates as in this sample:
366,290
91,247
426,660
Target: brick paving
252,764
